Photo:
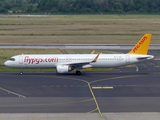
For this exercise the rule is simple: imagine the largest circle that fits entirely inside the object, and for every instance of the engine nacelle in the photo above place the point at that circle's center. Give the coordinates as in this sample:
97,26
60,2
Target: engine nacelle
63,68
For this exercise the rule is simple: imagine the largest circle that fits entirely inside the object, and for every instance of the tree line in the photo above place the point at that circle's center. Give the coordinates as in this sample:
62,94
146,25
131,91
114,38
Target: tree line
79,6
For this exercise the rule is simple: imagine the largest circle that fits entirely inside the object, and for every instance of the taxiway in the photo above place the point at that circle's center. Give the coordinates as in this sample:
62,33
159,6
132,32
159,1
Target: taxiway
93,95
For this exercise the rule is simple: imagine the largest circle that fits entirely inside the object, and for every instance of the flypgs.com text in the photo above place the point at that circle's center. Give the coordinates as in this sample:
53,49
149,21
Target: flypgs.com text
38,60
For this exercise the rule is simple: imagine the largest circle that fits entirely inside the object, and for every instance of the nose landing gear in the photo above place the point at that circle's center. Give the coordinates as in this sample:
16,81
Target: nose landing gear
21,72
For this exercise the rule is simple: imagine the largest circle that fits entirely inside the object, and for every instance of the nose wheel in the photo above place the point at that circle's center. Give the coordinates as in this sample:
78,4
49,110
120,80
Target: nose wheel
78,72
21,72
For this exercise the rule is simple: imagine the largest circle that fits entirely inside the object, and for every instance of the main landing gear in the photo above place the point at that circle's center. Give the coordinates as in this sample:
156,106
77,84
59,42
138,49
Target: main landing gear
21,72
78,72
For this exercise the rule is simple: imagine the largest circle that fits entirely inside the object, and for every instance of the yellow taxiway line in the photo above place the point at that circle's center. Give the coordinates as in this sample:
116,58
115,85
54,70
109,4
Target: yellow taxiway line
102,87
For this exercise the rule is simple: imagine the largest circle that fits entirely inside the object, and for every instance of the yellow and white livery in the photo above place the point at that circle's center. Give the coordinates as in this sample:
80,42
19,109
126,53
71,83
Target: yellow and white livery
65,63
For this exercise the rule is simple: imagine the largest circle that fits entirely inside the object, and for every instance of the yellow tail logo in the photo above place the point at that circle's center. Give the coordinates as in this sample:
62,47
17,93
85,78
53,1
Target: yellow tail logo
142,46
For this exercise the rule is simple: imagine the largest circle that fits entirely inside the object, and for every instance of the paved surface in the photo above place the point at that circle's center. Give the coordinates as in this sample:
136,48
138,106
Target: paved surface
88,116
76,46
48,96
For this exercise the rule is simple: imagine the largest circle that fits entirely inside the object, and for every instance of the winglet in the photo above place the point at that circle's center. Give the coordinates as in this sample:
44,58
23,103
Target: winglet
95,59
142,46
93,51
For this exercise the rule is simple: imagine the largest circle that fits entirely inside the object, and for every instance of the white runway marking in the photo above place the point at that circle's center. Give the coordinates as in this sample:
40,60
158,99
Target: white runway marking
10,92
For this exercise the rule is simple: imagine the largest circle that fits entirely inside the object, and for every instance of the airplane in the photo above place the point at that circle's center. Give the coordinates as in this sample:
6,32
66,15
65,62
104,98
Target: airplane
65,63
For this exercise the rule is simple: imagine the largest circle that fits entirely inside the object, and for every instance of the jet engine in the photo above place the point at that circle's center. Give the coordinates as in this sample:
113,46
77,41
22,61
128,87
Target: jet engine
63,68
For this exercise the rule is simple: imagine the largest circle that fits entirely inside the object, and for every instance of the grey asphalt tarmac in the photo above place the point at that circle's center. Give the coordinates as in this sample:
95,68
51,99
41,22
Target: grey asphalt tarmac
76,46
51,93
47,92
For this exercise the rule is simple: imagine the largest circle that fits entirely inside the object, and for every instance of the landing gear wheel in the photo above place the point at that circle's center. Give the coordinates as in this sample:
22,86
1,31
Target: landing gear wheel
78,72
21,73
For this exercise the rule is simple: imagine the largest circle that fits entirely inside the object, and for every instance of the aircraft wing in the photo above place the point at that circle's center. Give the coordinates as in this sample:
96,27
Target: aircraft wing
78,65
81,64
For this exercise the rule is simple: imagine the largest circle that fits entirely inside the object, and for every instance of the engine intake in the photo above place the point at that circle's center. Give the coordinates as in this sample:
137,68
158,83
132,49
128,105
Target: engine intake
63,68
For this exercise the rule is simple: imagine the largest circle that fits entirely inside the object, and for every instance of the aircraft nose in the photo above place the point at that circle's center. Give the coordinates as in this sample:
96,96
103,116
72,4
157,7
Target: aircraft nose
6,63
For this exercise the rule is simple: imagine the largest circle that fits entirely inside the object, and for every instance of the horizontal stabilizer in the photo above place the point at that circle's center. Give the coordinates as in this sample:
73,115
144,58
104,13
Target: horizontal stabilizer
145,58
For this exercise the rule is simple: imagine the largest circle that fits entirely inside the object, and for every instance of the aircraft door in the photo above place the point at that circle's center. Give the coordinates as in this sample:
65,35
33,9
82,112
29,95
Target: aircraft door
21,59
127,59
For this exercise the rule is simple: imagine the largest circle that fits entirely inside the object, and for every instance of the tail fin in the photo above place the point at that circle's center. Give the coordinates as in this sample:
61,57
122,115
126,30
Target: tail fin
142,46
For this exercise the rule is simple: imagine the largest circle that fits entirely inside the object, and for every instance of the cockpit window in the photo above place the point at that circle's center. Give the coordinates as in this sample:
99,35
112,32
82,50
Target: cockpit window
12,59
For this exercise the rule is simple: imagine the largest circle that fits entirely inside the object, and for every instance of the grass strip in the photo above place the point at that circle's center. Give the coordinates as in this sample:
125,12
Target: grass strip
6,69
73,34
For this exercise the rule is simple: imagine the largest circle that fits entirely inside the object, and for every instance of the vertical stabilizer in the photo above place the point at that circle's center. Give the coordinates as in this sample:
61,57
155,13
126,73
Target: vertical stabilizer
142,46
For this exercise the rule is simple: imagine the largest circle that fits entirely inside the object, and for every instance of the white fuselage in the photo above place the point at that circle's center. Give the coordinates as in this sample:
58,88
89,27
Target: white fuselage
52,60
65,63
